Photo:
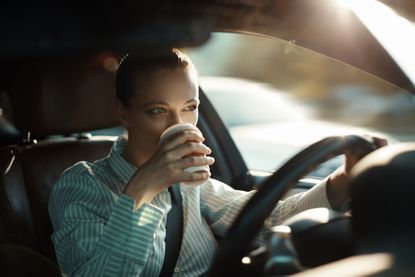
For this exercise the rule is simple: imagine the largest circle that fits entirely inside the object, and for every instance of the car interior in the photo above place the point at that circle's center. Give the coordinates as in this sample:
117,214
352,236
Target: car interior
59,108
56,137
52,105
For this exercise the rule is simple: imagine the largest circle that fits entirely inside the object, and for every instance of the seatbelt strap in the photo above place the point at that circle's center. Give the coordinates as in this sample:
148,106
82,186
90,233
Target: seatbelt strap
174,232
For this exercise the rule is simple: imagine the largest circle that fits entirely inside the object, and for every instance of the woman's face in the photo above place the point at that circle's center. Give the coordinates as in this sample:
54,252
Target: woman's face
166,97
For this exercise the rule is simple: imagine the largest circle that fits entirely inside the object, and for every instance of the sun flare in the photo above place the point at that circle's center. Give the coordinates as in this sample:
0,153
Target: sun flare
393,31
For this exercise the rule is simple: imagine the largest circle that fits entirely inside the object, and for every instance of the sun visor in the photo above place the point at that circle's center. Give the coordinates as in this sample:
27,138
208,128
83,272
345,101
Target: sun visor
65,97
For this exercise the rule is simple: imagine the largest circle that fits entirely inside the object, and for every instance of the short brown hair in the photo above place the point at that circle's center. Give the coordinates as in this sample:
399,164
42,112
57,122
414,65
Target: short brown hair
134,65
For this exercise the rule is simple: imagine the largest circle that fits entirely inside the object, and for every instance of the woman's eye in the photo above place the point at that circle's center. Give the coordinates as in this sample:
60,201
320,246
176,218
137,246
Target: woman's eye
191,108
156,111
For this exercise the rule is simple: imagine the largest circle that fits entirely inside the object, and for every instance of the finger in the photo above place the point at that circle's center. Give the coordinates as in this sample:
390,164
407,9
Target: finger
380,142
190,148
193,161
377,140
351,161
353,158
193,177
181,138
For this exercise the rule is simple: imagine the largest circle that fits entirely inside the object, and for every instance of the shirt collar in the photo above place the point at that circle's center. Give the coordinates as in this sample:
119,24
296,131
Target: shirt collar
123,169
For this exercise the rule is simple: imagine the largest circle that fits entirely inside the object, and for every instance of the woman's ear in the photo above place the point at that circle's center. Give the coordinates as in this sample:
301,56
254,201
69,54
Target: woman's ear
122,112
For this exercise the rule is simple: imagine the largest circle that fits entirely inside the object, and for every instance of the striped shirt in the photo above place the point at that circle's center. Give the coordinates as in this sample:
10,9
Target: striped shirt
98,233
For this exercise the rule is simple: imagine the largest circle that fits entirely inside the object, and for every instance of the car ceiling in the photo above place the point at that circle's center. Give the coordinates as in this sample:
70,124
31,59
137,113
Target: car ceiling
59,30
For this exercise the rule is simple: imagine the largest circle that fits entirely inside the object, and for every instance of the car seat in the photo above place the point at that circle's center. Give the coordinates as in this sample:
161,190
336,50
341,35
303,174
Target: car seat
53,104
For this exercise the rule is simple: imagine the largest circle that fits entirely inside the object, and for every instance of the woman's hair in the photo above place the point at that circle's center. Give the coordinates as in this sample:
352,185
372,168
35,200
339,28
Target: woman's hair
135,66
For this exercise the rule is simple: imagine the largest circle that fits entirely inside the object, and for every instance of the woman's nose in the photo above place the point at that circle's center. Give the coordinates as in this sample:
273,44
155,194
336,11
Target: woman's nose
175,119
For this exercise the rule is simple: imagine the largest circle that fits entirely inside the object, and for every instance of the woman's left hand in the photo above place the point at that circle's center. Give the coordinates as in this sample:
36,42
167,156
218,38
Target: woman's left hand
338,185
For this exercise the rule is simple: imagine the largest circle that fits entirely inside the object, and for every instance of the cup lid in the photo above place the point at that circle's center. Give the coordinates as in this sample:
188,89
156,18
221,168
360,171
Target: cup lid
176,128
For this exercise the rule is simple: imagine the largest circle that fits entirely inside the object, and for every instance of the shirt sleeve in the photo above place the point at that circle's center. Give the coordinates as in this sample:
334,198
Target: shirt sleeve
220,204
316,197
97,233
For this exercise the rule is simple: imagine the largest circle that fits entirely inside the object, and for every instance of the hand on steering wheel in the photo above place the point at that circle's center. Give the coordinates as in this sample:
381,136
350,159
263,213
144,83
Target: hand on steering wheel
251,218
338,185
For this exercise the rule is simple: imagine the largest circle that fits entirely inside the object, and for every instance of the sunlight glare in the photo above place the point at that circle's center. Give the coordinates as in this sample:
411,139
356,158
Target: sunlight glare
394,32
347,3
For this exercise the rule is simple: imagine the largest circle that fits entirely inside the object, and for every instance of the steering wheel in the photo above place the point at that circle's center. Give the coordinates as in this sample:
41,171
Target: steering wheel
246,226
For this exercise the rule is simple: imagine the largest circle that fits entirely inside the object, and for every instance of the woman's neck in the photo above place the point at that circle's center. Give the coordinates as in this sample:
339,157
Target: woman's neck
132,155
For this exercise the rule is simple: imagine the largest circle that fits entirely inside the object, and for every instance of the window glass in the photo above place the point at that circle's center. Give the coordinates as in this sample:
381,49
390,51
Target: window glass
276,98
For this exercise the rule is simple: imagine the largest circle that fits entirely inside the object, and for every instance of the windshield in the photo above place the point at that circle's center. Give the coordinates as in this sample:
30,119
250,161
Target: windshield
272,94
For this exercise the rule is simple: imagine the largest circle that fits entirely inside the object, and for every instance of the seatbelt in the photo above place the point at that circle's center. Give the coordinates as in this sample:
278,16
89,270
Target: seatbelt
174,232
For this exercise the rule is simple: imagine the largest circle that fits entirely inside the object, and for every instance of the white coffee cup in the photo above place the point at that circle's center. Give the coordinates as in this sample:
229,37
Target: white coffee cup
169,132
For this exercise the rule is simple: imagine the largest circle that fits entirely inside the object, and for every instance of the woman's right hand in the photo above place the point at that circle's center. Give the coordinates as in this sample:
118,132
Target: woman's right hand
165,167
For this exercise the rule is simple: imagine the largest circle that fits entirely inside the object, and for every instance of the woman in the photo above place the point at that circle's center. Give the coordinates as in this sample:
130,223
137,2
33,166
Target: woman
109,216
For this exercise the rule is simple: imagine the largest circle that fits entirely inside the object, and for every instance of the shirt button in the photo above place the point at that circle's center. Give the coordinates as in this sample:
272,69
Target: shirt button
176,269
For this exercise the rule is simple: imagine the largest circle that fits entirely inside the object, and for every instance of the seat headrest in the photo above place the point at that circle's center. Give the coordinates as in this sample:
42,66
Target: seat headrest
383,192
62,98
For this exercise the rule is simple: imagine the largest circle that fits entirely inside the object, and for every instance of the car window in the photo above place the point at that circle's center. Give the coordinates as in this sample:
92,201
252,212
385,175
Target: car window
276,98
